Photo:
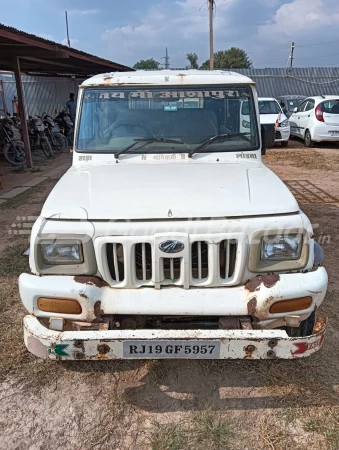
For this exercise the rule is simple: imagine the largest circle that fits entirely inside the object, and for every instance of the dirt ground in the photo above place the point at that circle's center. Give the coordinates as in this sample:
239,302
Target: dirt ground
176,405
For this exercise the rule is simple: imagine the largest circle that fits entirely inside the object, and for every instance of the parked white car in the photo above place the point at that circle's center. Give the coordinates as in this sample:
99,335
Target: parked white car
270,113
316,119
168,237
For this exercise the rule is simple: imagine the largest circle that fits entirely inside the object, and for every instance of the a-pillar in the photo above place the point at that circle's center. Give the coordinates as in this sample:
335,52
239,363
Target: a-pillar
22,112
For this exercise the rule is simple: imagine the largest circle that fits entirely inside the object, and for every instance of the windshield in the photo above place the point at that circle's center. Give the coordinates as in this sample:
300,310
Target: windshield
269,107
165,120
293,103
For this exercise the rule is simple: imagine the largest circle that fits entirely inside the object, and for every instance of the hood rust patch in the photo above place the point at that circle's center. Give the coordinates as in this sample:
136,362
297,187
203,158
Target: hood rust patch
267,280
91,280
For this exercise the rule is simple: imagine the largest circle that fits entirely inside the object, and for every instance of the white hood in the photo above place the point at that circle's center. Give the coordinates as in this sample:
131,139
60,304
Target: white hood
160,191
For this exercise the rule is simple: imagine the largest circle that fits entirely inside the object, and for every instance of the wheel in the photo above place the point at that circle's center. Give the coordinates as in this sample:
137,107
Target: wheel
15,154
59,142
305,328
308,139
46,147
284,144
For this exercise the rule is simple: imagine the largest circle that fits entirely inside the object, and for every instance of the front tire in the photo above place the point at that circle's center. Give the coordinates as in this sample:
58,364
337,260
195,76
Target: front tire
15,154
304,329
308,139
46,147
59,142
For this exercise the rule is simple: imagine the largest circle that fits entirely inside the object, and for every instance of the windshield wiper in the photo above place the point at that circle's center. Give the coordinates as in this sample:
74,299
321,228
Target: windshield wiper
145,142
209,141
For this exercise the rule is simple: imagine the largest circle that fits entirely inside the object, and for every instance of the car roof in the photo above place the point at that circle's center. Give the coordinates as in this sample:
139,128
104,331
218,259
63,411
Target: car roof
324,97
267,99
167,77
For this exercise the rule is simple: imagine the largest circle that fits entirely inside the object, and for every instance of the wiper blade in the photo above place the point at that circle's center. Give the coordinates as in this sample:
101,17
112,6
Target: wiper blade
145,142
209,141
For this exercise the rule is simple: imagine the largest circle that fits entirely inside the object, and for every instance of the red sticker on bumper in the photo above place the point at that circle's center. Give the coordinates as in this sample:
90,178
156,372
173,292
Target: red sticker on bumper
302,347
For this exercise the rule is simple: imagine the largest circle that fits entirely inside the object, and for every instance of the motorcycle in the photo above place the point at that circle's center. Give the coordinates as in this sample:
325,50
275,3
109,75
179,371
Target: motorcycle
66,125
10,142
37,137
57,140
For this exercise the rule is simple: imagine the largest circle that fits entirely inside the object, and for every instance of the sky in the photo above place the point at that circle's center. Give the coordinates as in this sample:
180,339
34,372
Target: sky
126,31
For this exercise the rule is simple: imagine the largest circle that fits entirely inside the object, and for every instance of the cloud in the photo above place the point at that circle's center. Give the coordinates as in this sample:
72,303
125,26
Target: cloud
263,28
83,12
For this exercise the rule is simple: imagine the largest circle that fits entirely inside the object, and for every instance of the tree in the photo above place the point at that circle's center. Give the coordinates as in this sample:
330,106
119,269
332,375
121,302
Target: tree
145,64
234,58
192,58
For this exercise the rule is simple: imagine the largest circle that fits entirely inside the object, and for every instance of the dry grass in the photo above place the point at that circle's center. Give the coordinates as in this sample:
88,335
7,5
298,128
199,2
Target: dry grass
200,430
305,158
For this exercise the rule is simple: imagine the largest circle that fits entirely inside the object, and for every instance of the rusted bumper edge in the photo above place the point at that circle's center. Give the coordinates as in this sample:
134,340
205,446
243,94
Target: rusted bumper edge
114,344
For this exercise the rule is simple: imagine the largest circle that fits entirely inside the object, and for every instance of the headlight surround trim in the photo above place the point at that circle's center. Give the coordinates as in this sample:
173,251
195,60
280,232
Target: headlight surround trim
257,265
88,265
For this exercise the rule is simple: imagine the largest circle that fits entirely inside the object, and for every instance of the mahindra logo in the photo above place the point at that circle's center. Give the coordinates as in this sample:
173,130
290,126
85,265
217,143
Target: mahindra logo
171,246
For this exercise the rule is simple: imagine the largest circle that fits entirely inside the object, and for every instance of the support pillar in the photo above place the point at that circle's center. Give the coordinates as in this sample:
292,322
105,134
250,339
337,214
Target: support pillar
22,110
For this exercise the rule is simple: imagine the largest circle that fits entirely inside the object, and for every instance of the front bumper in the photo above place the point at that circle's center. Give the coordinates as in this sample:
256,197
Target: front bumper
285,134
96,298
114,344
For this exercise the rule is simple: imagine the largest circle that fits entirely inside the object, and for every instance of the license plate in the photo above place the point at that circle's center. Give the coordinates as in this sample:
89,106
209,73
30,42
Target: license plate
171,349
334,133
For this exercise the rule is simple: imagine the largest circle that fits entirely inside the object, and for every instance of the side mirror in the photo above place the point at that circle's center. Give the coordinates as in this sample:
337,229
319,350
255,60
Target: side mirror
267,137
295,110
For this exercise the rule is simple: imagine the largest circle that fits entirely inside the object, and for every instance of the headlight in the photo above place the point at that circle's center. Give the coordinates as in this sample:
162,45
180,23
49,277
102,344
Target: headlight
281,248
246,124
284,124
61,252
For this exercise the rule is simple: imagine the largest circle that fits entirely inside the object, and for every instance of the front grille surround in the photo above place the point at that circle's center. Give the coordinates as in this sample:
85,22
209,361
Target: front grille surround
177,269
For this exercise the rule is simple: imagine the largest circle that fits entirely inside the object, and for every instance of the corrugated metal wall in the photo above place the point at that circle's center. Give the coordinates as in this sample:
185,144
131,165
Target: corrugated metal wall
300,81
47,94
42,94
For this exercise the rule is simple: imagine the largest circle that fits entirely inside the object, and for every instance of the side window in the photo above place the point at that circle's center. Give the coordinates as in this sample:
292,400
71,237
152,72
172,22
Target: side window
302,105
310,105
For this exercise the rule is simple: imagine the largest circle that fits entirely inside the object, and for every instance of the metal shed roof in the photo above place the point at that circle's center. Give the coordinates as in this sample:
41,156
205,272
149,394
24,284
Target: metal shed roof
308,81
41,56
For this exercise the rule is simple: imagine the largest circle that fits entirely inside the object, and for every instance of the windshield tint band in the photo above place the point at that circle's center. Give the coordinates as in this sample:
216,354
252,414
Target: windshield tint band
114,118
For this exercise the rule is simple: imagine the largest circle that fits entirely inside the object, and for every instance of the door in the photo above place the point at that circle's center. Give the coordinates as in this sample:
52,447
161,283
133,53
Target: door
305,116
296,120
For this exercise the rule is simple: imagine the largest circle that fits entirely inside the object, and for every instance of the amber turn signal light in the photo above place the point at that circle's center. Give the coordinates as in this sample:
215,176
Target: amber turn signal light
59,305
294,304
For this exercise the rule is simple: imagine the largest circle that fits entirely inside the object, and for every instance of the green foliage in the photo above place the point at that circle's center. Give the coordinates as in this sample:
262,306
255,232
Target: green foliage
192,58
234,58
147,64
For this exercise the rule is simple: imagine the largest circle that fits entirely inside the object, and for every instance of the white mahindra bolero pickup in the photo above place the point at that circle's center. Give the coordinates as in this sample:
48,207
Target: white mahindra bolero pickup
168,237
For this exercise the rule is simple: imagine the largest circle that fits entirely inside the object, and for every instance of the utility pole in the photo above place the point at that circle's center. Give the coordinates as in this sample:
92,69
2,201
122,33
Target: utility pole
211,9
69,42
166,58
291,57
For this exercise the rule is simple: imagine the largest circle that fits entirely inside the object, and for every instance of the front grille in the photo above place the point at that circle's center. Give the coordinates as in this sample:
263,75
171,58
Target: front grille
206,261
277,135
116,261
227,257
143,261
171,269
199,260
